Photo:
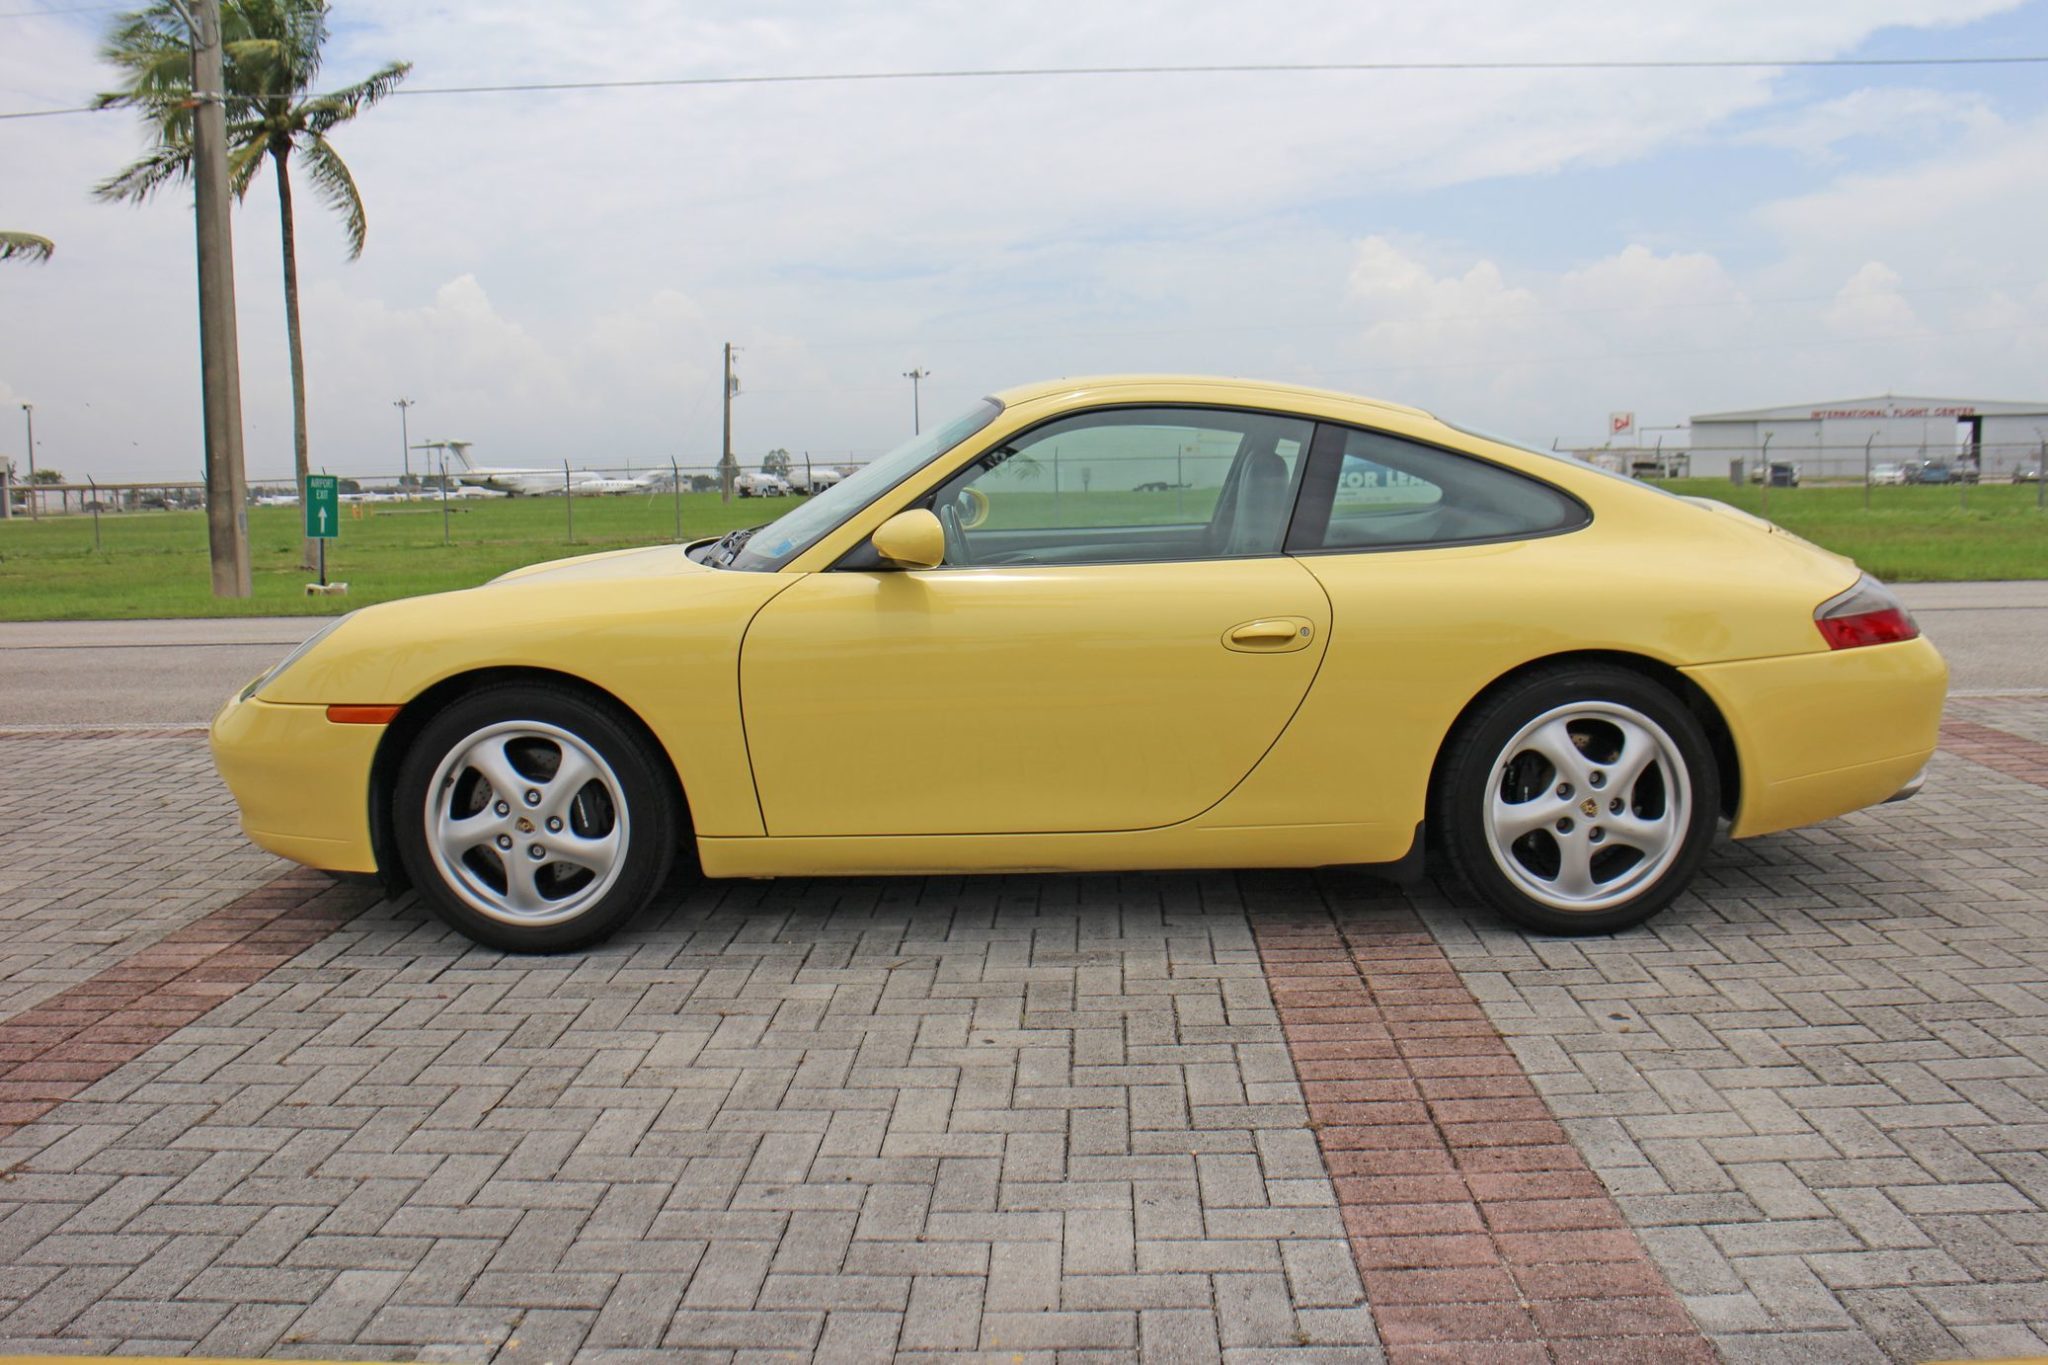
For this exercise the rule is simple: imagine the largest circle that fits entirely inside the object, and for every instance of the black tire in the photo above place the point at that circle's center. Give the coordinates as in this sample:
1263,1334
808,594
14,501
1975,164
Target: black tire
630,795
1492,753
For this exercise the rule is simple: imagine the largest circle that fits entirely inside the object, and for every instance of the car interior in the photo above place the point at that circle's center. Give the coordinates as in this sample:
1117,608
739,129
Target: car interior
1392,493
993,521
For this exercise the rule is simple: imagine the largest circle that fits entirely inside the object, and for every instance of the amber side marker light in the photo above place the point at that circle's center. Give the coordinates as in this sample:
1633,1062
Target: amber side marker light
363,715
1867,614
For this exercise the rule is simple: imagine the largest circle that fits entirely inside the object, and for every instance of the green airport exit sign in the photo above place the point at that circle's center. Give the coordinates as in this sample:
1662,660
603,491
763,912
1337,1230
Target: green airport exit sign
323,506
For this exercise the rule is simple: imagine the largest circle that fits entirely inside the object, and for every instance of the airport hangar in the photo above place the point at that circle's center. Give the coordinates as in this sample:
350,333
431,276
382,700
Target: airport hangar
1828,438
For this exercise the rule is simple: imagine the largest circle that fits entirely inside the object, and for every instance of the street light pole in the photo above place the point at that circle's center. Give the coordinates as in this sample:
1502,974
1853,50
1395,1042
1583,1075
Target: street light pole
404,443
28,412
916,377
227,511
727,470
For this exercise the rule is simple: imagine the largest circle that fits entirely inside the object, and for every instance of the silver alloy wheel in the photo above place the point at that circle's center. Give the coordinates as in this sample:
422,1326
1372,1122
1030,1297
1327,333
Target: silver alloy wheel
527,823
1588,806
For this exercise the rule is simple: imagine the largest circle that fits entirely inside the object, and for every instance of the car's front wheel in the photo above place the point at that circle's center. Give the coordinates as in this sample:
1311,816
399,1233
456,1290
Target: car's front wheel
533,819
1579,800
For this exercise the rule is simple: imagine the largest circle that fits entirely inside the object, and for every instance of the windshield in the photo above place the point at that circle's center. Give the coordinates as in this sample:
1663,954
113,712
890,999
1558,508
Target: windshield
783,539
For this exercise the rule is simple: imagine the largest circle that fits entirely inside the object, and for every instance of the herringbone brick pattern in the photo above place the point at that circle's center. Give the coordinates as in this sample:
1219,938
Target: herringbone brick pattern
53,1050
1817,1086
110,843
2025,716
1026,1118
1478,1230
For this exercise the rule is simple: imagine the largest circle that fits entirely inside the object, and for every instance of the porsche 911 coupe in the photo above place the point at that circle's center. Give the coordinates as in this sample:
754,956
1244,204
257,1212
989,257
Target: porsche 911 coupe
1110,624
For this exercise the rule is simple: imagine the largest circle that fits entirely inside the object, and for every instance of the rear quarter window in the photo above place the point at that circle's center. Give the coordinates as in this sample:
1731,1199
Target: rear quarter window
1386,492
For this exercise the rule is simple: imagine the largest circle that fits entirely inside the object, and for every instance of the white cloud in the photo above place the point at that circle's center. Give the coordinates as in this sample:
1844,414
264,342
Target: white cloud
1908,118
1870,303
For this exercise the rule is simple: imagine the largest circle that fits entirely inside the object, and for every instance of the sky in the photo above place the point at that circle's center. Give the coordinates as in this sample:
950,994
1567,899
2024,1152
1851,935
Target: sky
552,275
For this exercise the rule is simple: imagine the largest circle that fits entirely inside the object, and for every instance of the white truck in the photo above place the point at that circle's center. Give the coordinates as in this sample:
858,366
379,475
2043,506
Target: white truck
760,483
815,479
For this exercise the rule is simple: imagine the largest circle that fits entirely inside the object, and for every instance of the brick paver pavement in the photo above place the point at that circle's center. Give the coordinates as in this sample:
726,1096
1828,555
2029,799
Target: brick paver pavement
108,841
1474,1223
1817,1089
1025,1116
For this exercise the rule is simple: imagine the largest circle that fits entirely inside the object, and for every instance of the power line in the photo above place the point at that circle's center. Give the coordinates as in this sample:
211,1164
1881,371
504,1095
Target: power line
80,9
1208,69
54,13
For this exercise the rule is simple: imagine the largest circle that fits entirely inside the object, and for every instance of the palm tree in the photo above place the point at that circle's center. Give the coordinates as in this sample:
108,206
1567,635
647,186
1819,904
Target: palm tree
26,245
271,51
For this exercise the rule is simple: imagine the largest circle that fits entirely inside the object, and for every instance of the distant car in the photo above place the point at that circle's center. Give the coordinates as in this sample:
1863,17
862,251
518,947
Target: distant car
1890,474
1784,474
1933,471
1378,620
2026,473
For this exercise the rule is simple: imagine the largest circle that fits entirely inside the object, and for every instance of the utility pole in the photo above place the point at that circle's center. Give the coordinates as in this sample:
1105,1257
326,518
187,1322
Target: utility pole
28,412
728,471
227,511
404,442
916,377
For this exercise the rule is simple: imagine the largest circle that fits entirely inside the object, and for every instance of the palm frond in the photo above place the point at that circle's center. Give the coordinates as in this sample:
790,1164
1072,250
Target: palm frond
245,158
25,246
325,112
337,189
265,58
271,52
167,163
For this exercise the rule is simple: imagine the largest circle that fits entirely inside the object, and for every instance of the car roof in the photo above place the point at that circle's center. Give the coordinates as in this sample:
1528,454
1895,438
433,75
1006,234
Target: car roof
1024,393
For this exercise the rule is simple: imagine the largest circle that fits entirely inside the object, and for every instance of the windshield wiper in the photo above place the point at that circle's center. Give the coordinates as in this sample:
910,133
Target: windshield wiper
729,545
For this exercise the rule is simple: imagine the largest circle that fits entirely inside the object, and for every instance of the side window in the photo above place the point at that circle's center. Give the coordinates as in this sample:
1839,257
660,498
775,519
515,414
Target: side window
1128,484
1388,492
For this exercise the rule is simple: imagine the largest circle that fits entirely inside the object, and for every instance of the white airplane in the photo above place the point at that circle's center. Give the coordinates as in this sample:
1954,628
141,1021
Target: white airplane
530,480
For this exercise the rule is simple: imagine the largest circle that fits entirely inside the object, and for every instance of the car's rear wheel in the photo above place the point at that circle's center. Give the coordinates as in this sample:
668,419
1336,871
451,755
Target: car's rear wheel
533,819
1579,800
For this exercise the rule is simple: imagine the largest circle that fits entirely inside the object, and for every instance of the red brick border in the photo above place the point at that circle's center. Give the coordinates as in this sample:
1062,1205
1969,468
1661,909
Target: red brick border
1479,1231
53,1050
2000,750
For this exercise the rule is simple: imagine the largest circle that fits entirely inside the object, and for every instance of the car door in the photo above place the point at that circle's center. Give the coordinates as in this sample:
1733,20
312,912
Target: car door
1113,643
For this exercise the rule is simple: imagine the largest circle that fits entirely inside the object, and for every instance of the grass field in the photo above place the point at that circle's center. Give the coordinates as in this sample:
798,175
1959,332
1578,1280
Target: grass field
154,563
1911,534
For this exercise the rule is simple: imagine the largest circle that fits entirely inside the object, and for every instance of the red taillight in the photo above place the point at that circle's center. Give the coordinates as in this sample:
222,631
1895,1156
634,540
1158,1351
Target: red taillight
1870,628
1867,614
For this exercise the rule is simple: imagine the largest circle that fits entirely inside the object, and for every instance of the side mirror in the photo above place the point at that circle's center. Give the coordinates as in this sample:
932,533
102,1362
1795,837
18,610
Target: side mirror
970,504
911,540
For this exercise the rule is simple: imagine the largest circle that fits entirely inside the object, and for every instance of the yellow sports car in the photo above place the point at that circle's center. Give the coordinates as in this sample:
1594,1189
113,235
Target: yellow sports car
1110,624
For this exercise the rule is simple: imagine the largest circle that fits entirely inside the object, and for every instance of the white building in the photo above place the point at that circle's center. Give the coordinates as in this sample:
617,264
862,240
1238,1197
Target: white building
1828,439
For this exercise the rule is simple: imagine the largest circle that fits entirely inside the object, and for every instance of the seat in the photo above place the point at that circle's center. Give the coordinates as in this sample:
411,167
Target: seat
1258,512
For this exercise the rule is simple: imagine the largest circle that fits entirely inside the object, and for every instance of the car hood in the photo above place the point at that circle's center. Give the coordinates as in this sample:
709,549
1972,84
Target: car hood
641,562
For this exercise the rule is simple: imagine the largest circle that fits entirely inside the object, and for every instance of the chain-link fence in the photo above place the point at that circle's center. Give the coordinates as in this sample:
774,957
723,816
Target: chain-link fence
472,504
1877,462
